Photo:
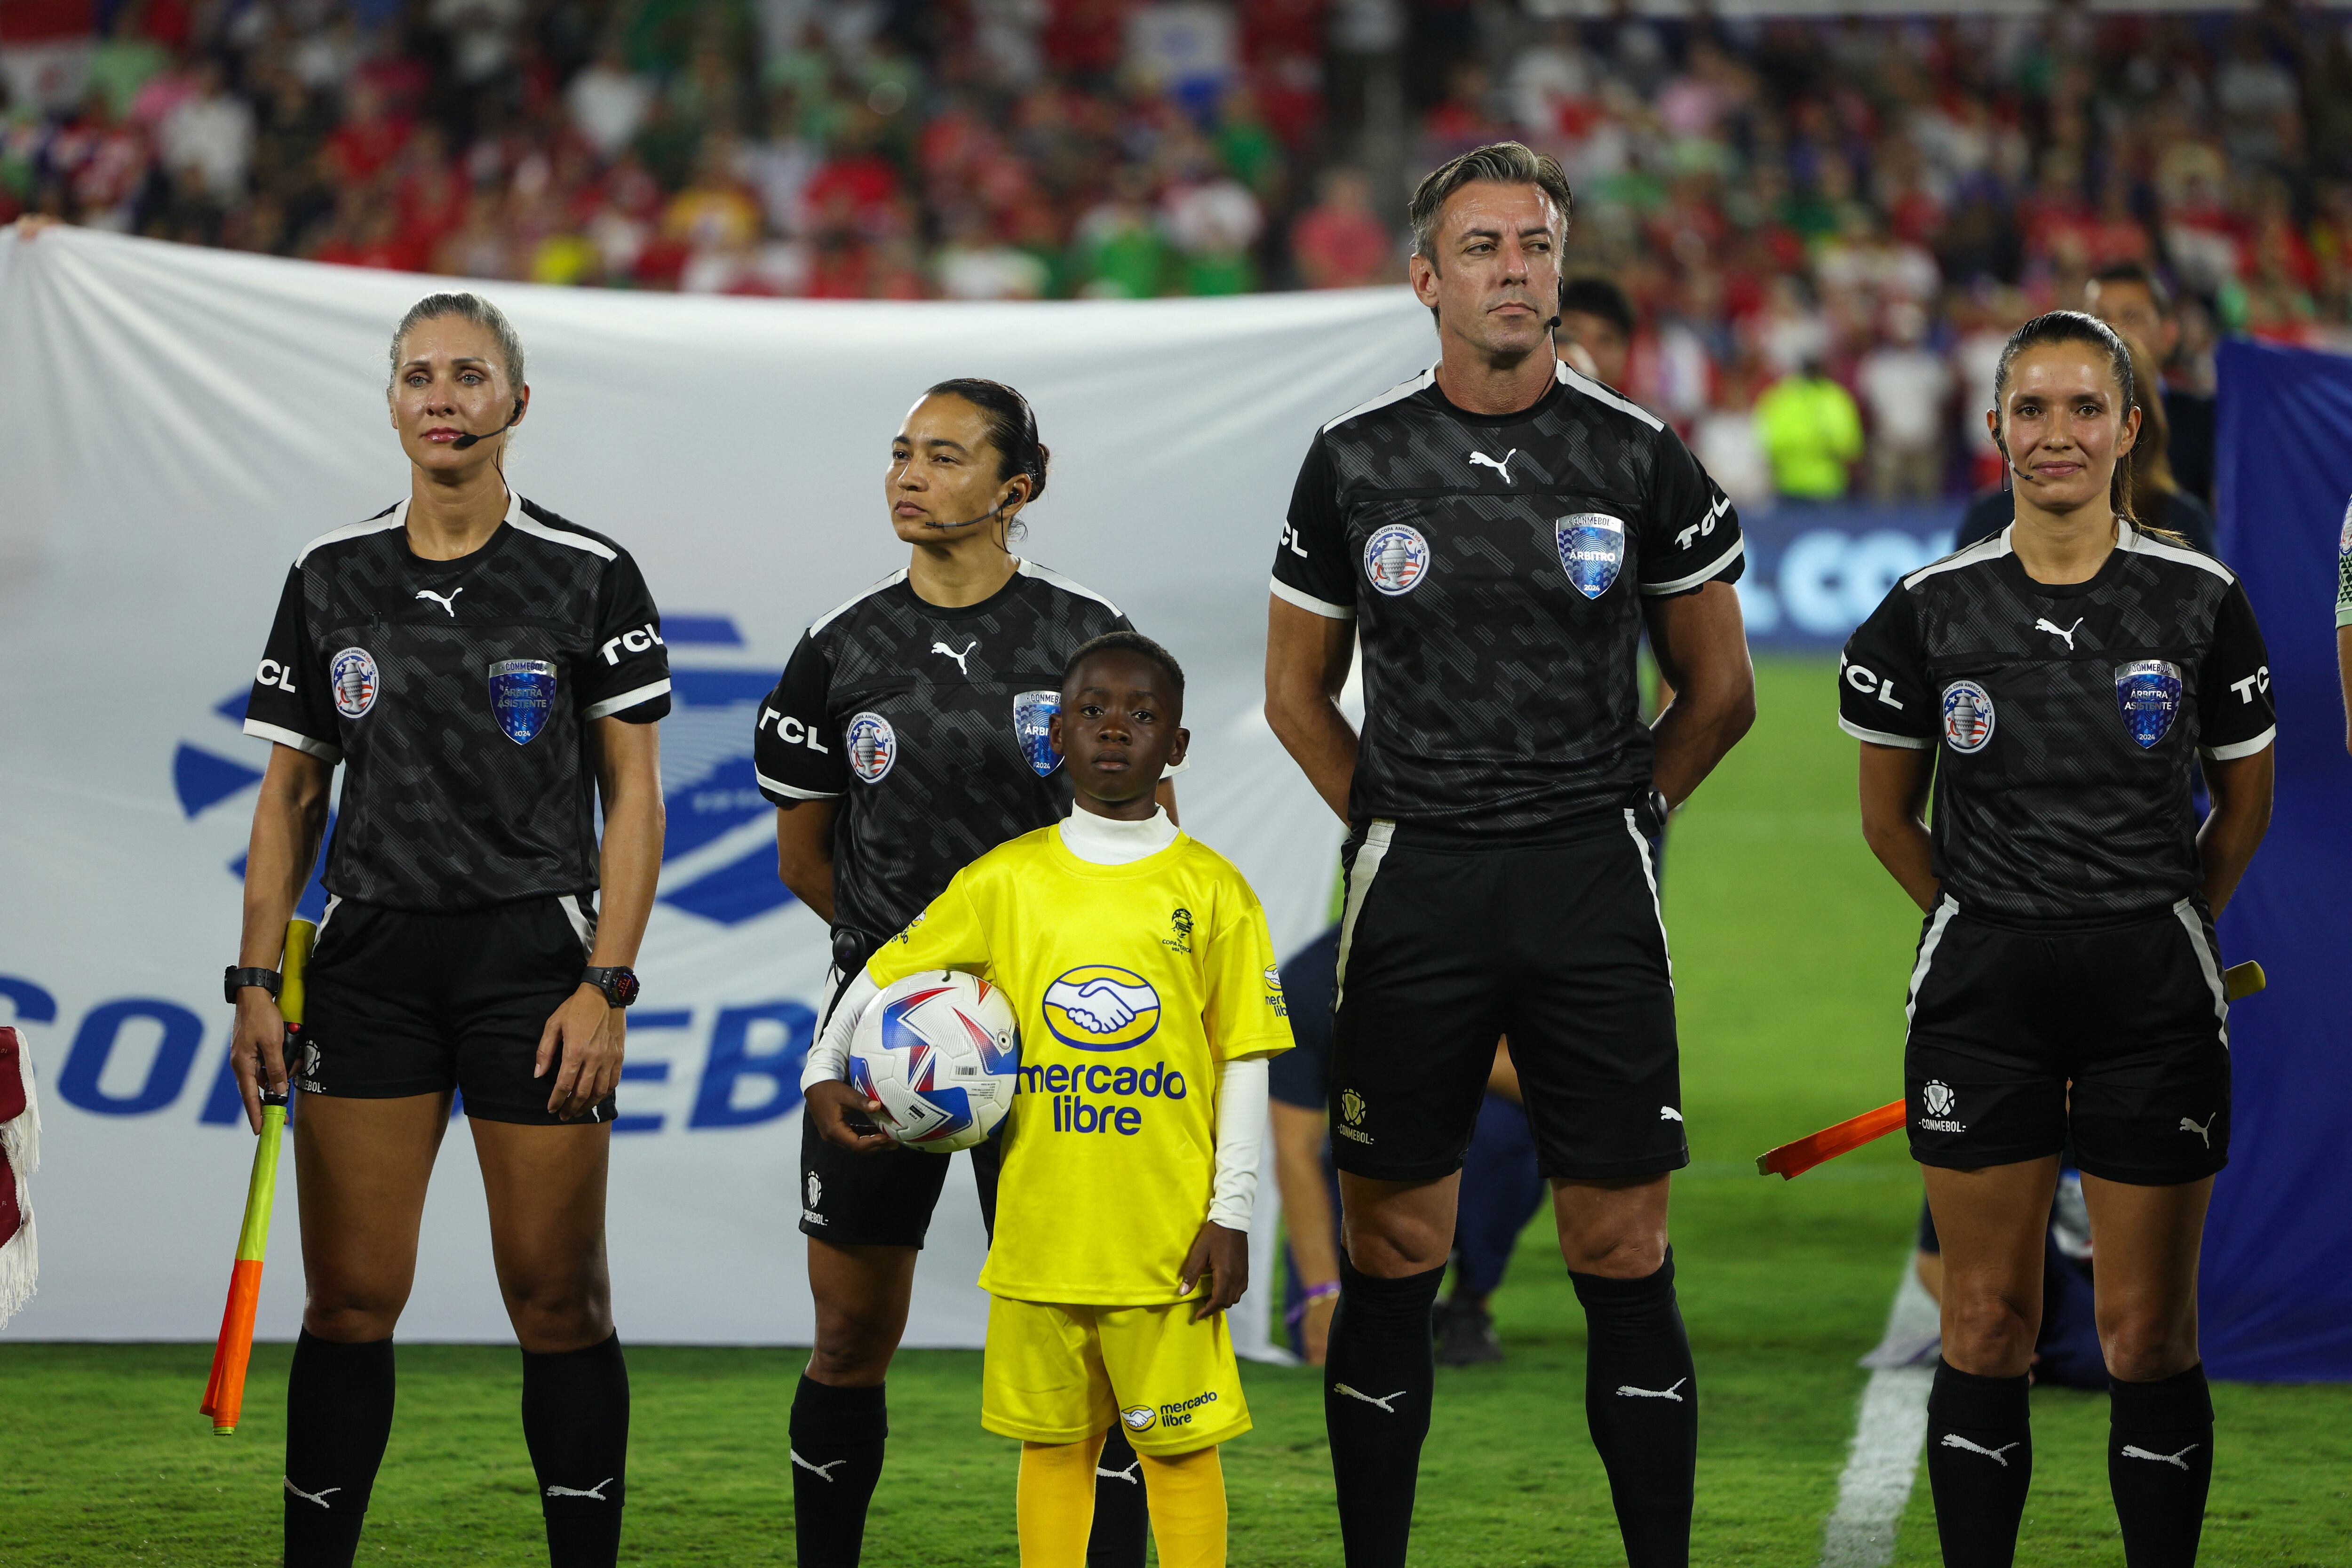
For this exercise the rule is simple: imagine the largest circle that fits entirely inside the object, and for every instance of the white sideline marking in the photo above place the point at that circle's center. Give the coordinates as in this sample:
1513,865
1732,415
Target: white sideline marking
1888,1437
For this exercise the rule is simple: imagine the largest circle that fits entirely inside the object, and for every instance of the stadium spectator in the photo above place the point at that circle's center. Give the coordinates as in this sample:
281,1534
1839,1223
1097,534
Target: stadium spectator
1907,387
1597,318
1811,432
2130,298
1340,242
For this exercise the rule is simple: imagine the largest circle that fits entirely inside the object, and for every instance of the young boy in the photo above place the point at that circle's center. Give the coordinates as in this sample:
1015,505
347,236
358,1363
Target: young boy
1141,965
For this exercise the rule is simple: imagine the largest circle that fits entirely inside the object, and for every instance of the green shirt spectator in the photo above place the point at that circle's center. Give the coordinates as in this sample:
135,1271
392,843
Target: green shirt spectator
1811,432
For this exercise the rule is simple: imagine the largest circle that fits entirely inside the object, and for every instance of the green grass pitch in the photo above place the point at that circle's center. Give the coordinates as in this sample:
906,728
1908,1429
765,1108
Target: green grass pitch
1791,952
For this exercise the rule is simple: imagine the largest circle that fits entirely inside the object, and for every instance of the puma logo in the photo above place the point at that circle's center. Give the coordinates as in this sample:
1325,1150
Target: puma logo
1382,1401
1627,1391
446,601
317,1497
2204,1133
1128,1474
822,1472
597,1491
959,657
1954,1440
2055,630
1503,467
2177,1461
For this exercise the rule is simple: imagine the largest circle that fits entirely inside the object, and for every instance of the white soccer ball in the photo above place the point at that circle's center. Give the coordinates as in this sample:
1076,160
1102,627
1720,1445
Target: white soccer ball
941,1051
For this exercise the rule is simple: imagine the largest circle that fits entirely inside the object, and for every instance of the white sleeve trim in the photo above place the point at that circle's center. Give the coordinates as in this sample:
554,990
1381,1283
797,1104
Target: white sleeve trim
300,742
2231,752
627,700
1240,1135
828,1058
1882,738
1703,574
1310,603
777,786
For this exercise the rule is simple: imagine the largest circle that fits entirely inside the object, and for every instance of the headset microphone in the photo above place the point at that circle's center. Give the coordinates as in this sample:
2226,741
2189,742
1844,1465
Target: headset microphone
462,442
1552,325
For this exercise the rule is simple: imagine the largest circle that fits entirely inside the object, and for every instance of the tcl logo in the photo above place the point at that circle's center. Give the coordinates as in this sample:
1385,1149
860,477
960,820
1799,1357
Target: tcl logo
1868,683
792,731
637,641
273,673
2258,681
1291,542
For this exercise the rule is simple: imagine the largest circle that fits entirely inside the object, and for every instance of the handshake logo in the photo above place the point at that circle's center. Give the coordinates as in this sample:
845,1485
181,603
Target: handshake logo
1101,1007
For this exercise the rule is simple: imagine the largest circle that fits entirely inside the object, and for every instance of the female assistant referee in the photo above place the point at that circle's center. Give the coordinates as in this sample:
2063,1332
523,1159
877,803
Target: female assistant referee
906,739
485,671
2059,681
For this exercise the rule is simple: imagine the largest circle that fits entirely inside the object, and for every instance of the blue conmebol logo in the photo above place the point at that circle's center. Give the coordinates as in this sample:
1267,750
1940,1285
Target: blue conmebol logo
2148,693
1033,718
522,695
718,853
1592,550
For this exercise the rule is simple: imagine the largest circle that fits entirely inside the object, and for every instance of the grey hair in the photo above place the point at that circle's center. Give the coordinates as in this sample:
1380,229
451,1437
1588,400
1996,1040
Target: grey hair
474,308
1505,164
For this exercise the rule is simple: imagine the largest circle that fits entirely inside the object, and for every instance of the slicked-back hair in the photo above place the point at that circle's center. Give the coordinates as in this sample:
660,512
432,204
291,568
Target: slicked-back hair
1128,642
2054,327
1503,163
474,308
1011,428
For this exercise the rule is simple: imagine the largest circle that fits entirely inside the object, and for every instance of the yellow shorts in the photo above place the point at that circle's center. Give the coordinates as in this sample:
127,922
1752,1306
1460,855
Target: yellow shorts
1059,1375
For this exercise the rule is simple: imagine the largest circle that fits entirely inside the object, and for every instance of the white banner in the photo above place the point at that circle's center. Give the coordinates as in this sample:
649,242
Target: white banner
175,423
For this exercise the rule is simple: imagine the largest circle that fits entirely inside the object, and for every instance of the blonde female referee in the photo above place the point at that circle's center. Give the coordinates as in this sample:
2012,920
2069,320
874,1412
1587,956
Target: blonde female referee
485,672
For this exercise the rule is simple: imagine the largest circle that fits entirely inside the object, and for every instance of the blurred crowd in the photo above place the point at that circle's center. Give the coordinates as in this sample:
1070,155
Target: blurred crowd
1826,223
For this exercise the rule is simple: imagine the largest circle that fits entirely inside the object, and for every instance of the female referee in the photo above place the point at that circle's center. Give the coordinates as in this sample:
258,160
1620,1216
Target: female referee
906,739
487,671
2058,682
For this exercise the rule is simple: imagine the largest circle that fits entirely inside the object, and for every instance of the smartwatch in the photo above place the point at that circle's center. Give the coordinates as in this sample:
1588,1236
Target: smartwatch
618,983
234,980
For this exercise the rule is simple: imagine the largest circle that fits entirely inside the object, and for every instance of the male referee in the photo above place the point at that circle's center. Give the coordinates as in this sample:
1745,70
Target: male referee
1497,532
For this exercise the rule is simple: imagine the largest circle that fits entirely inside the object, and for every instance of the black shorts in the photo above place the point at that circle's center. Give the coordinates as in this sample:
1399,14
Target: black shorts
402,1002
1444,948
2118,1036
885,1199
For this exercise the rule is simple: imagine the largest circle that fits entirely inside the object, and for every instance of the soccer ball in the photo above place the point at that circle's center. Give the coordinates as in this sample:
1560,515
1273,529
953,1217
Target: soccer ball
941,1051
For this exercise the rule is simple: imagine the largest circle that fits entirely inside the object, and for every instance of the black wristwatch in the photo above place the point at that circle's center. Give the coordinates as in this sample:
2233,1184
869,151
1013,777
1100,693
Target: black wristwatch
618,983
234,980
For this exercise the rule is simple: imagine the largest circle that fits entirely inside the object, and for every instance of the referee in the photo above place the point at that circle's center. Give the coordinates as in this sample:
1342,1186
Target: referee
2057,683
488,673
1497,532
905,739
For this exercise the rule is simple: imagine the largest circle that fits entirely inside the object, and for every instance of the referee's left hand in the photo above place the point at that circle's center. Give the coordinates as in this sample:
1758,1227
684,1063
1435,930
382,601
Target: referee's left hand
583,1044
1224,1256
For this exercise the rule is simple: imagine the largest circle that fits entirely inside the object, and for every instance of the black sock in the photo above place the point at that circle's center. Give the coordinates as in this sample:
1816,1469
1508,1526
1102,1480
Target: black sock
1122,1519
575,1420
837,1436
337,1415
1640,1400
1980,1464
2159,1464
1376,1381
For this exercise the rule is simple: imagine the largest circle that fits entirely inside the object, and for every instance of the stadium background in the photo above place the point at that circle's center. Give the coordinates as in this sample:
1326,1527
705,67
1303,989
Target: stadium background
1881,197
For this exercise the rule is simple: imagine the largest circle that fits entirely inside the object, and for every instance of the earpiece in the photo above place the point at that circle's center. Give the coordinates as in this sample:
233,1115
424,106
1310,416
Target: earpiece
462,442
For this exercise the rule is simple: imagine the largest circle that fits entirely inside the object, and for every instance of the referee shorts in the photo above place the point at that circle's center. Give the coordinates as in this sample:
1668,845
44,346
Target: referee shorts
2118,1036
402,1002
1445,948
882,1199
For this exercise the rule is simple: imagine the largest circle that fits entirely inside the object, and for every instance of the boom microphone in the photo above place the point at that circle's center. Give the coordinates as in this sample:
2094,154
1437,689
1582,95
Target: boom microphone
462,442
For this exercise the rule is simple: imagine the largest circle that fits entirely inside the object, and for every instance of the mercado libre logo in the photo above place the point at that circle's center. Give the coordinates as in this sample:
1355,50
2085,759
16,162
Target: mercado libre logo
719,854
1101,1007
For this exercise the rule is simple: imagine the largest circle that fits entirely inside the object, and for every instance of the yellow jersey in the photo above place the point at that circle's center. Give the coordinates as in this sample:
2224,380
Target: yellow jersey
1134,984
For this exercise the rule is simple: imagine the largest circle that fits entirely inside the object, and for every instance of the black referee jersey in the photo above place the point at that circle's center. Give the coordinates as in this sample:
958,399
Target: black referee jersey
458,693
2065,719
929,724
1495,565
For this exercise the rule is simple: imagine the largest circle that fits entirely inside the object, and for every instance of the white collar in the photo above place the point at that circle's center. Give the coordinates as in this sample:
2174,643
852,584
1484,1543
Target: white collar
1106,841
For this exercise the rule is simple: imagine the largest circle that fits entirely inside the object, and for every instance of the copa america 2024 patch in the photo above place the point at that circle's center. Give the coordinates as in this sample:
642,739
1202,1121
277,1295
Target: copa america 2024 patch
1592,550
873,746
522,695
2148,693
352,674
1032,722
1968,716
1396,558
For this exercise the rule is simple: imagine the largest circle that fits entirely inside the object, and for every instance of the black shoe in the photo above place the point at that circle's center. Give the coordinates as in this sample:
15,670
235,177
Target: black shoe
1465,1335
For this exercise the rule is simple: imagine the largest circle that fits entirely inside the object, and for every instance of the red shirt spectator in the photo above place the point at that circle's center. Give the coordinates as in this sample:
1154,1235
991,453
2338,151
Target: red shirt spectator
370,136
1340,243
